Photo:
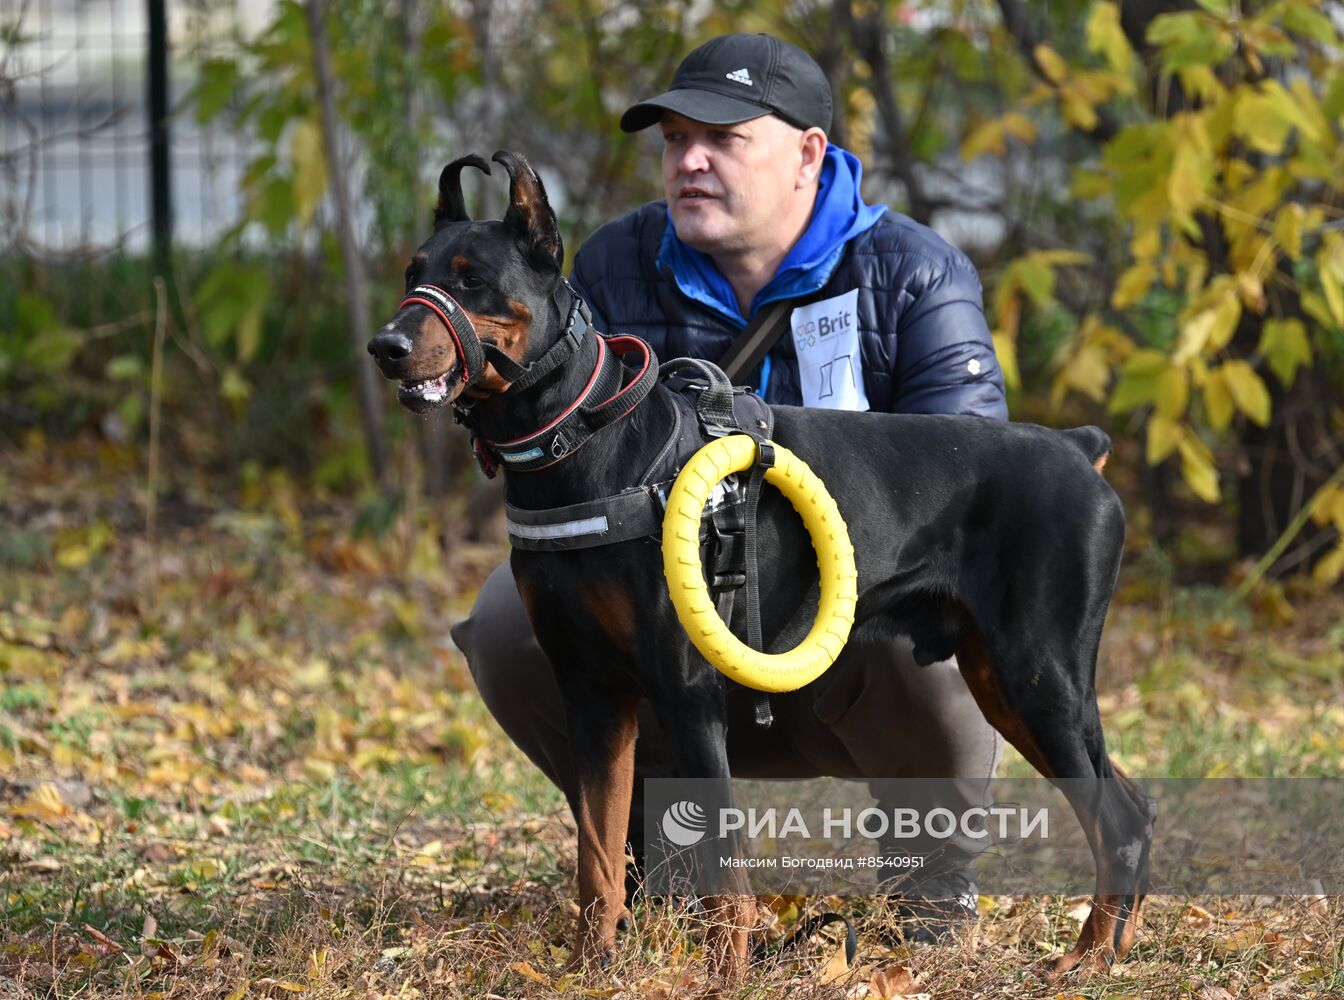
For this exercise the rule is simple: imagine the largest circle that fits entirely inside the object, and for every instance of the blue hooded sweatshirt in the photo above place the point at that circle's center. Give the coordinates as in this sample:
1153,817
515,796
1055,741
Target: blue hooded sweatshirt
925,346
838,215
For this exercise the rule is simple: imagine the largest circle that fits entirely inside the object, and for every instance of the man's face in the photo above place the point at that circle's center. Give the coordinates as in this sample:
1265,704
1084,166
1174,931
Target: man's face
730,188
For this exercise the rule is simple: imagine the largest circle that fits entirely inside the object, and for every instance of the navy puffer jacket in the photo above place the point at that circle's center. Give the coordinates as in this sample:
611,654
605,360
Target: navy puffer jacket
925,345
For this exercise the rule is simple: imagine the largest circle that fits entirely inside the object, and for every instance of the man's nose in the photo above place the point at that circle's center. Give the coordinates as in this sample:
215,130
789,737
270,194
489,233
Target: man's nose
694,158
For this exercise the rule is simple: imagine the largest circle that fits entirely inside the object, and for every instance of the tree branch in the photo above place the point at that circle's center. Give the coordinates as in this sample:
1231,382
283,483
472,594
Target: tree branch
1022,24
869,37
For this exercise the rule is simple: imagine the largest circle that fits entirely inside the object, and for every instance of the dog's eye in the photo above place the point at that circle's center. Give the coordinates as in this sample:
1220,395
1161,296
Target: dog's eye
471,281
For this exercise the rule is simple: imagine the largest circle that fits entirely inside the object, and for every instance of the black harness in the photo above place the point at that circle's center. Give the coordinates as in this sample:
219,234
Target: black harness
705,406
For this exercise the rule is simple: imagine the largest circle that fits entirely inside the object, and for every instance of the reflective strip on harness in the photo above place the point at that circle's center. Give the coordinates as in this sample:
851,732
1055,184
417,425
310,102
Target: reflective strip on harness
635,513
565,529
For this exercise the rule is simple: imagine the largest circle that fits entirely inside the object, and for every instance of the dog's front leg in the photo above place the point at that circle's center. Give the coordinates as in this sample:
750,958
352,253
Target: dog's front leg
692,707
602,728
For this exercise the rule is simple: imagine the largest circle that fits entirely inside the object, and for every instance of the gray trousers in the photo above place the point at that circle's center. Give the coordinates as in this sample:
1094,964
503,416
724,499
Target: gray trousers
874,714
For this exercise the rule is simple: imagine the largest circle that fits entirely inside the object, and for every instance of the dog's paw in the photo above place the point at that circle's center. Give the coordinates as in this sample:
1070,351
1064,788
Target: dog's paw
1091,963
590,958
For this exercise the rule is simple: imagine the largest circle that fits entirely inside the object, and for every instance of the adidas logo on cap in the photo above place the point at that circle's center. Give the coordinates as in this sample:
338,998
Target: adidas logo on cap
740,76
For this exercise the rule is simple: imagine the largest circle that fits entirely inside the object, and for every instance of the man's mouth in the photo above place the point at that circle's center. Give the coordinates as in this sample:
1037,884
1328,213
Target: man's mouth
695,194
424,394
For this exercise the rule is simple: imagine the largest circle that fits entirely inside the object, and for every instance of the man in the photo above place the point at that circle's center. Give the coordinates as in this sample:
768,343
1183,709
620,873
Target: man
759,209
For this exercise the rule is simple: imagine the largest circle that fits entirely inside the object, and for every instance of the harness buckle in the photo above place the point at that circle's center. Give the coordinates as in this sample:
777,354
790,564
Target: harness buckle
578,322
728,538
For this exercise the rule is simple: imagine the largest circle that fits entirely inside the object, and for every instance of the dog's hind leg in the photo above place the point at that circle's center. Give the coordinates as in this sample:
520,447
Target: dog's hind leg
1126,932
602,729
1053,721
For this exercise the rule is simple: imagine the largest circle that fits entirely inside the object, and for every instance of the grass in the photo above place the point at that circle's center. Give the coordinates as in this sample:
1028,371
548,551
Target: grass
247,761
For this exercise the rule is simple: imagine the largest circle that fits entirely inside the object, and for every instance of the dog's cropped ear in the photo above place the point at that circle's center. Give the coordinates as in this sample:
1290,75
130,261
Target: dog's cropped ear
452,206
530,215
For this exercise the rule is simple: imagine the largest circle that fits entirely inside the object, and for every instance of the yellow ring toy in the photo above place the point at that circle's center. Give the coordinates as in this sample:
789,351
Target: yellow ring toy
773,672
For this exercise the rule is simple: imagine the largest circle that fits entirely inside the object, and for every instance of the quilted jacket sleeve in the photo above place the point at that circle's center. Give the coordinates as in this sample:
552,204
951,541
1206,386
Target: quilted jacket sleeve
945,359
580,282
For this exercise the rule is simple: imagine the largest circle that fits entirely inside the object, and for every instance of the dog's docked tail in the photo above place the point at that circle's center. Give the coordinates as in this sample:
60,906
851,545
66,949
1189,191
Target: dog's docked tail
1093,442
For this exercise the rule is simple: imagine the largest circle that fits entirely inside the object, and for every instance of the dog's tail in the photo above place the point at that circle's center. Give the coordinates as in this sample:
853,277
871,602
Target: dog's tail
1093,442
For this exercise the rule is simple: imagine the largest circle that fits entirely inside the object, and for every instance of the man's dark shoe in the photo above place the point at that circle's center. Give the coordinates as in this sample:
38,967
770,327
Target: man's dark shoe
935,907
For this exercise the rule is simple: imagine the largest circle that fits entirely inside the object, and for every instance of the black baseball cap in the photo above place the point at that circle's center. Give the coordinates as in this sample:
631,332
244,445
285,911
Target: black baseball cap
734,78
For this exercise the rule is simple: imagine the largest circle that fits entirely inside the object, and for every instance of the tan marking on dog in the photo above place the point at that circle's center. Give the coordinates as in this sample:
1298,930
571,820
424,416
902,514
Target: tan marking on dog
461,262
728,937
602,818
978,670
529,198
509,333
1093,951
614,610
1100,463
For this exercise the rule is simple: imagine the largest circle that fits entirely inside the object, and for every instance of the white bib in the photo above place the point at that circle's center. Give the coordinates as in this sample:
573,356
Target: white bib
826,336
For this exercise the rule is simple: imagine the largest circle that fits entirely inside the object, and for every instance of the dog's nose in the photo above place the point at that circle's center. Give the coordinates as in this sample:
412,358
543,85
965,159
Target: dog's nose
390,345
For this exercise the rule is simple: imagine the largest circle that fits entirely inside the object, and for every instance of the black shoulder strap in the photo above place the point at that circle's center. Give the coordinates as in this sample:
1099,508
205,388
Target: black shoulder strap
752,344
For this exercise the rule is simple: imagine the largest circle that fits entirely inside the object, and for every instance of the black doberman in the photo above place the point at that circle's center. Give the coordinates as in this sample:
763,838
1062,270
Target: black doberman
998,543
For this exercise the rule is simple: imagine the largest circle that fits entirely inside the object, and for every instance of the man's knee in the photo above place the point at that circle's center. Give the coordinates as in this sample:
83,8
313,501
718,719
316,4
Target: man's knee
497,641
940,733
514,677
504,658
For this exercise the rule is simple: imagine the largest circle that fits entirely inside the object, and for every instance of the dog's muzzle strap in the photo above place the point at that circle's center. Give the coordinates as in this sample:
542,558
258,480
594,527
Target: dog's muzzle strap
458,323
475,352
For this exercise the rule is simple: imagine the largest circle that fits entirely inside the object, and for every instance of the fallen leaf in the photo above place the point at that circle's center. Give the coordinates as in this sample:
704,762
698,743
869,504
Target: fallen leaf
148,930
107,945
1079,911
836,967
1197,915
891,981
44,804
525,970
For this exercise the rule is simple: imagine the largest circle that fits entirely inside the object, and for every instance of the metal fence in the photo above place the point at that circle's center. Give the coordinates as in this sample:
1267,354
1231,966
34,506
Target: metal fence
76,128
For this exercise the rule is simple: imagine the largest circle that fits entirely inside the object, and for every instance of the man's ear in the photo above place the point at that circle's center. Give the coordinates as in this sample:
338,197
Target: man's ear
530,217
814,151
